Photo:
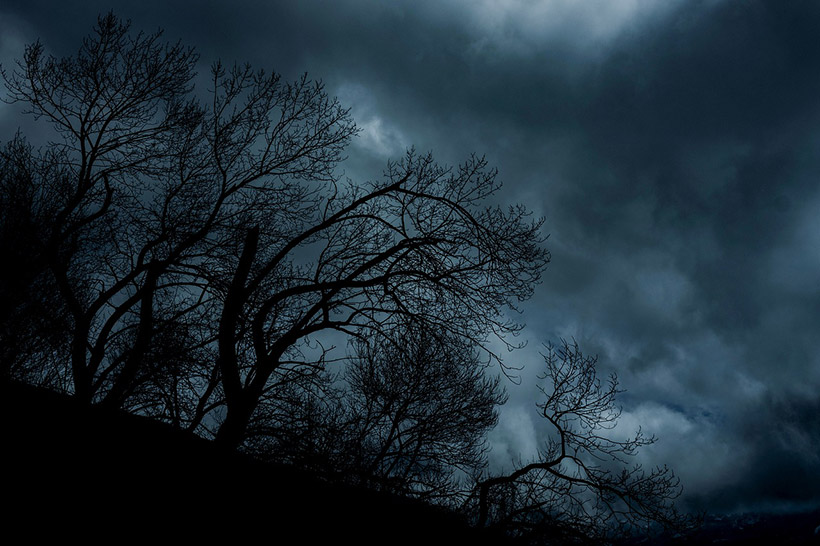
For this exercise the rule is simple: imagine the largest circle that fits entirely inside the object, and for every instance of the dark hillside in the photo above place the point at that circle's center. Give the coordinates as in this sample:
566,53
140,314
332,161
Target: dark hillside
71,470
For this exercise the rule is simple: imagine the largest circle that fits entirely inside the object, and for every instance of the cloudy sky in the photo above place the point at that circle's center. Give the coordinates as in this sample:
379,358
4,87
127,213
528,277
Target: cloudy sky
673,148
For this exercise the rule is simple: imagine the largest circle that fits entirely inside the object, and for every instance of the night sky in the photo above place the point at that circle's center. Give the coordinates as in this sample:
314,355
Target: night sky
673,148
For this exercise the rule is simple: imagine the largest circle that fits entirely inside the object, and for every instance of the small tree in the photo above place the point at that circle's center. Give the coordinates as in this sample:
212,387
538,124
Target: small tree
582,486
419,409
409,415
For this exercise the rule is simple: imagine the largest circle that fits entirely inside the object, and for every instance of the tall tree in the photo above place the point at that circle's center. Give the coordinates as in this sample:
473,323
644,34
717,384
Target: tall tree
227,220
417,244
156,183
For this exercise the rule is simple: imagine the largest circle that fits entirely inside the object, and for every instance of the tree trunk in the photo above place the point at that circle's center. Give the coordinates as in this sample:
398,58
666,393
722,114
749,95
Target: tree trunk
240,402
124,382
231,433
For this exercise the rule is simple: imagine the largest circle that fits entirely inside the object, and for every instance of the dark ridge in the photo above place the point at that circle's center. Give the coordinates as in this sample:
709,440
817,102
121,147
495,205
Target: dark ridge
71,470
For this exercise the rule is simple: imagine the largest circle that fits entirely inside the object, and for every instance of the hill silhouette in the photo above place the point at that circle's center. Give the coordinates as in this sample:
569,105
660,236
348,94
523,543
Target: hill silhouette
77,470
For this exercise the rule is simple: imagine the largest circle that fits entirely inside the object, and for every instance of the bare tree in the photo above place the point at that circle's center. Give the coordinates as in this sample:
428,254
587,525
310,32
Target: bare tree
582,485
113,107
33,319
195,253
227,219
420,409
414,245
156,184
409,415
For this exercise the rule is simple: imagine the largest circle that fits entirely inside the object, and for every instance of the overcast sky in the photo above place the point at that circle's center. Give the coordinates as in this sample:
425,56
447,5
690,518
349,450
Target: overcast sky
673,148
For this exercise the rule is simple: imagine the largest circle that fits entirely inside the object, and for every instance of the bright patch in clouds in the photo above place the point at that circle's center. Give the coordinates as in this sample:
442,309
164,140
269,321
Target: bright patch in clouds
520,25
514,439
712,459
376,135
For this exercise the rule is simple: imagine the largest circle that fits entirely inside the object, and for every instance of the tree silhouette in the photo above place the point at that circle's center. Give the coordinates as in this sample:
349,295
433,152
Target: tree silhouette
408,415
414,245
227,221
33,320
114,108
582,486
420,408
185,258
156,185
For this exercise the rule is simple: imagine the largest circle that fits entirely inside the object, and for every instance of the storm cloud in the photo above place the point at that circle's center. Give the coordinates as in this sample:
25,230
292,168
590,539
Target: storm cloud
672,148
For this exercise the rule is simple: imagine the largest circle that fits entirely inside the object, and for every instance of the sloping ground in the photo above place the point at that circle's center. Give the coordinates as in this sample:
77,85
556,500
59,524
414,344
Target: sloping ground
74,471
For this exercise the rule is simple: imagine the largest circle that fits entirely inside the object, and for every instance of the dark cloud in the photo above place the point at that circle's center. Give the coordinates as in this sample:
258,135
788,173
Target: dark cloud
671,147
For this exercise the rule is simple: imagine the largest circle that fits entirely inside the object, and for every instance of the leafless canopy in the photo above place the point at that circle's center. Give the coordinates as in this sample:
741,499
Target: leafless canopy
408,415
198,242
186,255
583,485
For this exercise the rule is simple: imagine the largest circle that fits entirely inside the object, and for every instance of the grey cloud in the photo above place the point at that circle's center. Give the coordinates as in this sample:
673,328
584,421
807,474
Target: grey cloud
674,159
